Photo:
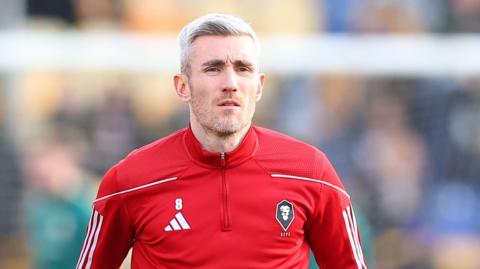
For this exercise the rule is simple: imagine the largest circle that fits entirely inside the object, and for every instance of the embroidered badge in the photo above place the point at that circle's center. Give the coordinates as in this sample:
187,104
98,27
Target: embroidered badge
285,214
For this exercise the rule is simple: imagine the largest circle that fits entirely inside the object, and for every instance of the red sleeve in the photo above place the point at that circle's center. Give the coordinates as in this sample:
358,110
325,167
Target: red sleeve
109,233
332,232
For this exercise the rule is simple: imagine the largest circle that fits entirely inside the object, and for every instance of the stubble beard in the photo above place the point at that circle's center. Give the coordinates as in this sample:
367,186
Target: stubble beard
224,125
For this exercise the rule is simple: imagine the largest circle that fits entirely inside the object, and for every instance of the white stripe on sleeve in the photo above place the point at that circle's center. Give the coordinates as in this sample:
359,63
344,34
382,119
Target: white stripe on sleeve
86,239
95,240
350,236
356,236
89,242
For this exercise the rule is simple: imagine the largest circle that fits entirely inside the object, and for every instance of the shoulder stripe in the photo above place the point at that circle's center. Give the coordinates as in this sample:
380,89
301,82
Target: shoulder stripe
91,231
94,245
88,249
136,188
313,180
88,237
353,236
357,237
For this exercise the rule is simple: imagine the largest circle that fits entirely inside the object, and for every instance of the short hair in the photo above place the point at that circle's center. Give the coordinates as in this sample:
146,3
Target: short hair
211,25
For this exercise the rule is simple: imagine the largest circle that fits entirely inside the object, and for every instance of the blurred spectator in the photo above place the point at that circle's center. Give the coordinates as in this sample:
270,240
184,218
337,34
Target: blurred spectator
457,251
10,193
97,13
114,131
158,111
55,10
341,98
338,14
71,113
397,247
381,16
392,158
276,16
388,16
463,16
155,16
430,106
57,201
299,123
453,208
464,132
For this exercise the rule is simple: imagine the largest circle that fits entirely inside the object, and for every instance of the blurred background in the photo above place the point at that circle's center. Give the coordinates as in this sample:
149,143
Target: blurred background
389,89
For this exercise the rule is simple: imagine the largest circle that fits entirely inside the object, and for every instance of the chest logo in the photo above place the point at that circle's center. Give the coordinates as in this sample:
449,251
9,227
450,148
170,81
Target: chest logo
285,214
177,223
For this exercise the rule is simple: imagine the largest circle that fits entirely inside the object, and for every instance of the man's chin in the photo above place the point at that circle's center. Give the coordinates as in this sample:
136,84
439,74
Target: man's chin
227,129
224,131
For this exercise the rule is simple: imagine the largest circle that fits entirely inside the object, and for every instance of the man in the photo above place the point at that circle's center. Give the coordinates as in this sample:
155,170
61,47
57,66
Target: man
222,193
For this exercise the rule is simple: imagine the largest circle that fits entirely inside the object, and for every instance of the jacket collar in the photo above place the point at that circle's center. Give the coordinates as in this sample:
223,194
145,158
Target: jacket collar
242,153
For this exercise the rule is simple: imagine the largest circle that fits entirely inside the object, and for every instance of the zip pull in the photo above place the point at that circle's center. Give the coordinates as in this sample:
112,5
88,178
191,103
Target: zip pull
223,161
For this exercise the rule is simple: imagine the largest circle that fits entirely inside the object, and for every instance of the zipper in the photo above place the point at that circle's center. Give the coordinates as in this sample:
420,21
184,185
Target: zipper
226,210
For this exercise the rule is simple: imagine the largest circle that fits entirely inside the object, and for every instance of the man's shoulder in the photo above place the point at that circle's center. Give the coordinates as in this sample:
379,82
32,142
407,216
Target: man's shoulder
273,140
279,153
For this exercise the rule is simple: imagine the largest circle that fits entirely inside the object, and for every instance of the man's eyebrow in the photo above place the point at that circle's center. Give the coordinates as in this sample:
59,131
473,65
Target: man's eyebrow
215,62
242,63
218,62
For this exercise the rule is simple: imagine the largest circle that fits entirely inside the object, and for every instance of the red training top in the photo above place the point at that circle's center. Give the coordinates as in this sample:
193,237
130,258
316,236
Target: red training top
263,205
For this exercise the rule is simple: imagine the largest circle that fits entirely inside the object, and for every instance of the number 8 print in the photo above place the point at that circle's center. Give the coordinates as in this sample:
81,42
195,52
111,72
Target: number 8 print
178,204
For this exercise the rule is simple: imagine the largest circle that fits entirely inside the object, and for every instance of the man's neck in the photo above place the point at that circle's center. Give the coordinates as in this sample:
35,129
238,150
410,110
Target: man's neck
214,142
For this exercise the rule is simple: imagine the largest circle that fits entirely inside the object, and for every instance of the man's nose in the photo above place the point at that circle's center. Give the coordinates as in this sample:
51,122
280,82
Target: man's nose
230,80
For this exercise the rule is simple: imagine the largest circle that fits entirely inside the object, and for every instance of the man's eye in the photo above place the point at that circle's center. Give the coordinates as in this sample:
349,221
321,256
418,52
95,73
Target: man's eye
212,69
244,69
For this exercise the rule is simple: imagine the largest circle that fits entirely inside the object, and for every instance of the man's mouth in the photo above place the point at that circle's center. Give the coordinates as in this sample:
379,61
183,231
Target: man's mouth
229,102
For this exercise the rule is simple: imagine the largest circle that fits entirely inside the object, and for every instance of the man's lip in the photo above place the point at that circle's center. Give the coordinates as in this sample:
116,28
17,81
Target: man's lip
228,102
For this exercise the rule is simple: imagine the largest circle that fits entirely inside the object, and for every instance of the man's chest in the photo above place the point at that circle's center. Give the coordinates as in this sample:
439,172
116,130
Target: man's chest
245,212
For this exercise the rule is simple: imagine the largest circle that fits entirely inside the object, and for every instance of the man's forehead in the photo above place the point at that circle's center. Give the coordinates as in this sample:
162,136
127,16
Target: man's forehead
226,48
221,39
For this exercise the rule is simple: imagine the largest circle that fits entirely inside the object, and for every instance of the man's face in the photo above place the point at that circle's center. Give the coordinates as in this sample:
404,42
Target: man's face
224,84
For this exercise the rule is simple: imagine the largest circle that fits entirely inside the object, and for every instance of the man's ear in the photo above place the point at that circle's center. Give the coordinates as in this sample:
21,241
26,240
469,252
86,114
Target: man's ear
180,81
261,82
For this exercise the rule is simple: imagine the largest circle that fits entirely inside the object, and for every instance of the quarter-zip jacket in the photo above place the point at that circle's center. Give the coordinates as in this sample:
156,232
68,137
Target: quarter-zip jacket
263,205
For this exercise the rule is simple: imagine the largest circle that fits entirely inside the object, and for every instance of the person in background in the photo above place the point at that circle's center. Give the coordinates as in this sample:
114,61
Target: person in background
56,202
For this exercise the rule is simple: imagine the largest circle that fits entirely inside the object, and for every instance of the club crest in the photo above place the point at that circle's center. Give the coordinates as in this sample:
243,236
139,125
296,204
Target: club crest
285,214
